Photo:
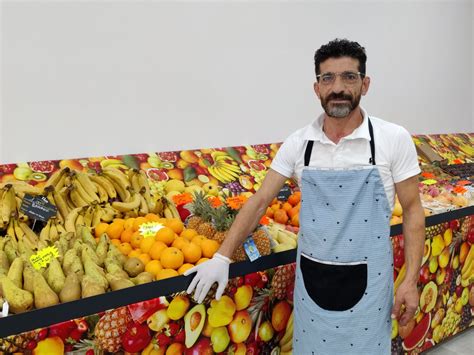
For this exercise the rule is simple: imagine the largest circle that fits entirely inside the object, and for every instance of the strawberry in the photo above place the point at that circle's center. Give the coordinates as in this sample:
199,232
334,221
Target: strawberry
180,337
163,340
172,329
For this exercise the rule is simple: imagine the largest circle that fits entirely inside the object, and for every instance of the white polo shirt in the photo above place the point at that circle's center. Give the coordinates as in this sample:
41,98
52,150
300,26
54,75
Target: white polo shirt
395,152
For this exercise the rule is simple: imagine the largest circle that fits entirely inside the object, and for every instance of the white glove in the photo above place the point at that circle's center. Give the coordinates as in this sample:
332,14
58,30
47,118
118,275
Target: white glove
213,270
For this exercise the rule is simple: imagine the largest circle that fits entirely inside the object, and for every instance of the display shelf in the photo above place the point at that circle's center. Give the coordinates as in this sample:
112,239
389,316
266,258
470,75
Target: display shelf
38,318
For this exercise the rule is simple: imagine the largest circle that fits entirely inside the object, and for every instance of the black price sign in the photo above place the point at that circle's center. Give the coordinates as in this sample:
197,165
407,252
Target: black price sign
284,193
38,207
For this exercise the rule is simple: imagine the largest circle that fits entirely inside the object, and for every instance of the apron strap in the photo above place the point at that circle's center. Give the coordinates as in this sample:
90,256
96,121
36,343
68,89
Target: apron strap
372,143
309,147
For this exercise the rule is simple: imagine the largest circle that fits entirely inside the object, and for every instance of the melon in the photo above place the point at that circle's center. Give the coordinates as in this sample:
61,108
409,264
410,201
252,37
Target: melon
418,334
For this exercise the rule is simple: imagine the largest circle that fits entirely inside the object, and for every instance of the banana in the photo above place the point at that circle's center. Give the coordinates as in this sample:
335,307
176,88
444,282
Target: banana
219,155
105,184
107,162
143,184
86,196
133,177
8,204
234,168
217,174
76,198
87,183
53,231
103,196
80,219
229,174
469,259
123,193
70,222
11,233
128,206
44,234
143,206
61,230
60,204
56,177
88,216
170,210
158,208
22,188
117,175
108,214
29,234
96,216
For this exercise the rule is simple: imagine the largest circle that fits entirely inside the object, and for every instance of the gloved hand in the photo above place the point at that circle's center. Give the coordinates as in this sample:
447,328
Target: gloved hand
213,270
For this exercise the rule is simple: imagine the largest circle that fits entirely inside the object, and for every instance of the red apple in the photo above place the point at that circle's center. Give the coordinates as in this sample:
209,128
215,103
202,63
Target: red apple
136,338
202,347
240,327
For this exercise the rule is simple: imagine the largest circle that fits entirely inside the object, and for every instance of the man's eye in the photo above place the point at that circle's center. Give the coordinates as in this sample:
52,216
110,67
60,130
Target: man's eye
327,78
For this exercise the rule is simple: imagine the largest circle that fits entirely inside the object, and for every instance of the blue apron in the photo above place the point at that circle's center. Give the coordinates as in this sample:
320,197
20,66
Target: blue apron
344,279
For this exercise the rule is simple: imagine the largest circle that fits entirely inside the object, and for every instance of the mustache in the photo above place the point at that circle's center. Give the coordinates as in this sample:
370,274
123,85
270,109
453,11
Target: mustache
340,96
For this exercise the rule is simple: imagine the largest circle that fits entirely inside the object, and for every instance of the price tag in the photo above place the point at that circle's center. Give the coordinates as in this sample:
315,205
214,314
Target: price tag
43,257
149,229
251,249
284,193
38,207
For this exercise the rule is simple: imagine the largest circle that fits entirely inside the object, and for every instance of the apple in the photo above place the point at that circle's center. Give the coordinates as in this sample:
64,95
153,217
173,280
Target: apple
265,331
240,327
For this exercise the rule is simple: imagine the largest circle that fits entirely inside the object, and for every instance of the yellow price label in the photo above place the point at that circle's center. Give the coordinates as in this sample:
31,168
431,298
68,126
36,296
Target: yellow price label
149,229
43,257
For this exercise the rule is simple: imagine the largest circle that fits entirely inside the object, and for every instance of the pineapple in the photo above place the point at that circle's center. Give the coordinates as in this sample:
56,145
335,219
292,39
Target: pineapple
222,221
206,228
284,276
17,343
466,225
431,232
110,328
262,242
197,210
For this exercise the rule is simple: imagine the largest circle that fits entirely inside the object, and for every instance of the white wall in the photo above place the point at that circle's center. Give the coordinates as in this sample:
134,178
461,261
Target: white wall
87,78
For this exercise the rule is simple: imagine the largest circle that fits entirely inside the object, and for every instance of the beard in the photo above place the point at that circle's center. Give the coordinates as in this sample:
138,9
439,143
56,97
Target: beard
340,110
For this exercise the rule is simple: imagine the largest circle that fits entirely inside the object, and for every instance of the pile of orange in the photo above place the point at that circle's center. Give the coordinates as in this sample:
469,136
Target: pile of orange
170,252
286,212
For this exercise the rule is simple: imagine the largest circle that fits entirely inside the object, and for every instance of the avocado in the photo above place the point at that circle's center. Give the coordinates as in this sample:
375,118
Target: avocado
193,323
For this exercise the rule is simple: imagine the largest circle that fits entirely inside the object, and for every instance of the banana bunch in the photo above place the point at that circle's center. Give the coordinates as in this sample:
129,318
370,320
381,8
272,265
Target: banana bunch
286,342
114,163
169,209
467,271
21,238
283,239
225,169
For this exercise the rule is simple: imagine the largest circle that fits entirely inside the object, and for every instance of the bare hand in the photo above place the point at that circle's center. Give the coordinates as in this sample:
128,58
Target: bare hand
407,295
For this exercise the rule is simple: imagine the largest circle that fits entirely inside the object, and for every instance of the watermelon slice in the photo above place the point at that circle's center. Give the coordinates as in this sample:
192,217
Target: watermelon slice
418,334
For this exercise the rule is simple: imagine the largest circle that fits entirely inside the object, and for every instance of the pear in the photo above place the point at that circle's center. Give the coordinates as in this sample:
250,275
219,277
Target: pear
77,245
76,267
25,249
28,277
102,248
11,251
4,263
134,266
71,290
15,273
69,257
117,254
87,237
44,295
88,252
96,273
113,267
118,283
18,299
3,240
90,287
55,276
143,278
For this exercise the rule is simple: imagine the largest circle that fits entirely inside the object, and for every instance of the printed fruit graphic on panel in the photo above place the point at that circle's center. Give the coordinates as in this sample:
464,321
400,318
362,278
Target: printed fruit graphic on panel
194,323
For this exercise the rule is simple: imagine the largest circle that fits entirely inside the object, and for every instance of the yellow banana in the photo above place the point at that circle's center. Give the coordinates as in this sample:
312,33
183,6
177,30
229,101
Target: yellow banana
96,216
108,214
158,208
234,169
103,197
86,182
224,173
56,177
70,222
61,229
107,162
105,184
118,175
53,231
128,206
170,210
123,193
88,216
60,203
217,174
29,234
76,198
143,206
133,177
22,188
87,196
44,234
8,204
143,184
469,259
80,219
12,234
219,155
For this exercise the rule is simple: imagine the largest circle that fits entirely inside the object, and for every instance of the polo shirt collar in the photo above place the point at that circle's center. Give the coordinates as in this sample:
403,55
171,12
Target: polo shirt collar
315,130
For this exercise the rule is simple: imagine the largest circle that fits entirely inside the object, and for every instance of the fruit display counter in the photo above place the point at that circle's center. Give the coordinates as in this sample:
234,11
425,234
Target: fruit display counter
92,253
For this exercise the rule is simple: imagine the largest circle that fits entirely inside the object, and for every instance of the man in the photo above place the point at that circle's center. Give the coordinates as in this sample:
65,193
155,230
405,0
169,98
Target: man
349,166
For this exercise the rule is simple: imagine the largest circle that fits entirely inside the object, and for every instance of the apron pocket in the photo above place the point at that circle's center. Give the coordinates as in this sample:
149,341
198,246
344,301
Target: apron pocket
334,287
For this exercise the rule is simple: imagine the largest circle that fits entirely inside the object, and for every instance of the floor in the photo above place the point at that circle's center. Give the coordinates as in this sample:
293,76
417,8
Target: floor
461,344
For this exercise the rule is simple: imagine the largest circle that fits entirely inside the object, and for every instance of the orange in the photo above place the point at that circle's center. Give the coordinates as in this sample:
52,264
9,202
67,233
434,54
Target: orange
153,267
145,258
166,273
129,223
276,206
175,349
175,224
269,213
162,220
209,247
182,269
156,250
136,239
138,221
180,242
146,244
125,248
198,239
286,206
280,216
114,230
100,229
295,220
188,233
200,261
294,198
126,235
119,221
192,252
165,235
115,242
135,253
151,217
172,258
295,210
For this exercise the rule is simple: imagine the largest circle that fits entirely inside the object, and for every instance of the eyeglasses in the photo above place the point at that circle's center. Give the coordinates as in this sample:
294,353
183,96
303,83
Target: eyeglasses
347,77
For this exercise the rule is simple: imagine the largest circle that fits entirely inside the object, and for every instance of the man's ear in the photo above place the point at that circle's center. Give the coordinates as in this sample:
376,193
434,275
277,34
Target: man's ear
365,85
316,89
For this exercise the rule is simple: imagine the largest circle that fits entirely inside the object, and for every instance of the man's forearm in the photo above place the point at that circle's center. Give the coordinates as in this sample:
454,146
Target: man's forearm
244,224
414,235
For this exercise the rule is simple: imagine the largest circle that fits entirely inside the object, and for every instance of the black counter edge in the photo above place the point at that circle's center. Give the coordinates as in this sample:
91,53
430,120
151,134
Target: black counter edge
23,322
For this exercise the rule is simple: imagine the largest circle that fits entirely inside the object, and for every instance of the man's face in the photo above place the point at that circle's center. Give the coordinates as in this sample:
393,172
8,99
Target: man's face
340,96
